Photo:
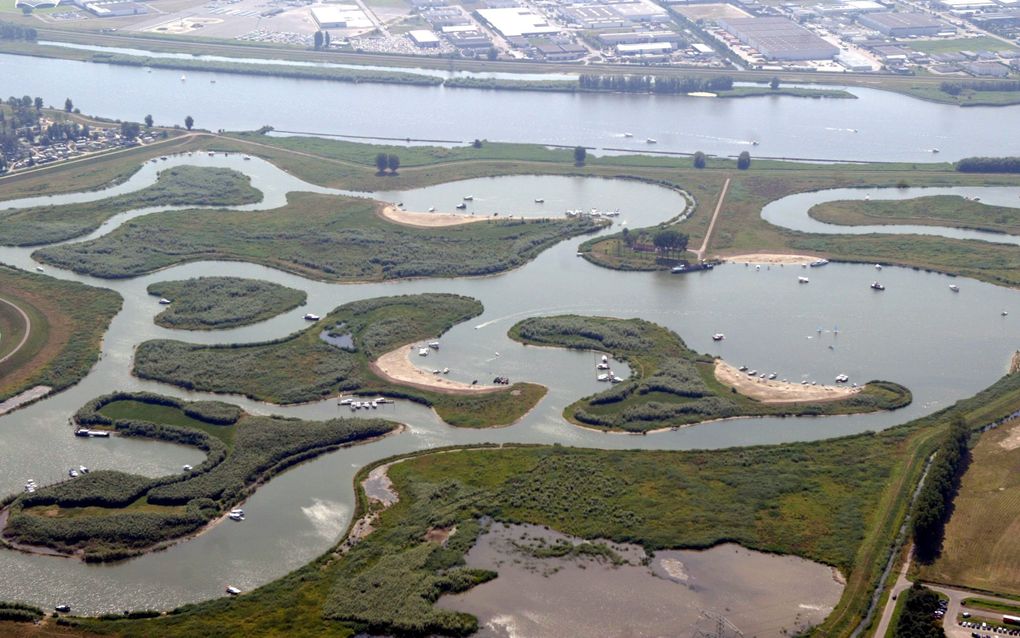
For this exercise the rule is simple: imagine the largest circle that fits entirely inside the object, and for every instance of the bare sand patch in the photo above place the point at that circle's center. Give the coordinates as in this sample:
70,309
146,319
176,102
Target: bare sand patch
771,258
775,391
428,220
396,366
1012,440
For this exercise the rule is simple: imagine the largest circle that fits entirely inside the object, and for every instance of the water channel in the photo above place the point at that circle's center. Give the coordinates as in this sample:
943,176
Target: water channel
878,125
943,346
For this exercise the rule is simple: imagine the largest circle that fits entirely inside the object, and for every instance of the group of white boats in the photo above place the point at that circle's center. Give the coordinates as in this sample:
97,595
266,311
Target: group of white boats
605,373
840,378
594,212
370,404
31,486
236,514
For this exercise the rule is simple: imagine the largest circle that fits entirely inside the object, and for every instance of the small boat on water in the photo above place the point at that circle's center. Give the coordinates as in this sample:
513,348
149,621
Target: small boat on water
233,591
461,206
186,468
73,473
247,157
1004,313
819,262
605,358
772,375
803,280
604,377
602,366
469,198
38,268
346,401
82,469
432,209
718,336
445,371
164,301
954,287
539,200
63,608
842,378
877,286
236,514
312,317
742,368
934,150
423,352
651,140
754,142
628,135
434,345
184,78
878,266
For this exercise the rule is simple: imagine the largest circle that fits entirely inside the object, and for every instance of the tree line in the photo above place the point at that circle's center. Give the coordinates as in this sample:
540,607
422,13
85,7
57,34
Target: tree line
933,505
649,84
989,165
957,87
9,31
917,620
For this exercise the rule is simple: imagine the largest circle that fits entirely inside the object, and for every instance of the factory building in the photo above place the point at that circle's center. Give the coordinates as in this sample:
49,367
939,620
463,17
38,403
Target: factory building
902,25
779,38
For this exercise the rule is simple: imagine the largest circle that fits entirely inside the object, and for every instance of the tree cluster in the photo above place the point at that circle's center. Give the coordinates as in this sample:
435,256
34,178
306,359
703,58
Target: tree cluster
744,161
9,31
917,619
648,84
670,241
932,508
989,165
385,161
959,86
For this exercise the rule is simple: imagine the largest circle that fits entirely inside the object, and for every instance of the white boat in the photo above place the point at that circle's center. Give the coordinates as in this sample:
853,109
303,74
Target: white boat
615,379
1004,313
346,401
754,142
436,371
878,266
164,301
434,345
877,286
233,591
718,336
445,371
235,517
602,366
539,200
773,375
184,78
186,468
39,268
842,378
469,198
628,135
211,154
432,209
247,157
752,373
651,140
934,150
312,317
63,608
82,469
819,262
605,358
73,473
423,352
803,280
604,377
954,287
461,206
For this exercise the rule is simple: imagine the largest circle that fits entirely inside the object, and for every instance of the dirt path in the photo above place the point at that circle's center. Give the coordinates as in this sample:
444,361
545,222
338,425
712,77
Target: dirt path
775,391
24,337
711,225
395,366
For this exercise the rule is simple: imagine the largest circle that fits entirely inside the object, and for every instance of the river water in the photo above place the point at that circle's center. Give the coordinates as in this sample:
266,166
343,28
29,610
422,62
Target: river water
877,126
943,346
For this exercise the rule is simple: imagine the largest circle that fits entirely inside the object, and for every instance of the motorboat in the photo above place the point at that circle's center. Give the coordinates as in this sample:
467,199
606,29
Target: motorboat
539,200
752,373
877,286
233,591
651,140
628,135
461,206
605,358
82,469
312,317
434,345
247,157
772,375
742,368
38,268
236,514
423,352
184,78
63,608
718,336
604,377
469,198
163,301
73,473
432,209
934,150
803,280
954,287
819,262
842,378
186,468
602,366
346,401
878,266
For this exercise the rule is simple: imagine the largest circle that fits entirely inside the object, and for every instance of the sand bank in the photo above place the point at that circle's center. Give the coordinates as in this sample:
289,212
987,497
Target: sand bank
770,258
428,220
395,366
776,391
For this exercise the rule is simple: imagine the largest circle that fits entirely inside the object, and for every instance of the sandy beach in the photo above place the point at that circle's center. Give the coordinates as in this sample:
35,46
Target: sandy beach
776,391
770,258
396,366
428,220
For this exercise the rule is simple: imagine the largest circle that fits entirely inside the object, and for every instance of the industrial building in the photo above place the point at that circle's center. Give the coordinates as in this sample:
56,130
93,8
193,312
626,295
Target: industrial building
779,38
516,22
561,52
902,25
340,16
424,38
657,49
638,37
466,37
998,19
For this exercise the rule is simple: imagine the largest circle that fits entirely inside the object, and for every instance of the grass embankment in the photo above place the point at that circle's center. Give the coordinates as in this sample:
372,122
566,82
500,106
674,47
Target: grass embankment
938,210
304,367
109,515
317,236
68,321
214,303
573,86
178,186
992,605
981,549
671,385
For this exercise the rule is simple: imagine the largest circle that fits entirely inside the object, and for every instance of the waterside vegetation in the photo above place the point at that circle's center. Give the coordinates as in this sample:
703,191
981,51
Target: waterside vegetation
216,303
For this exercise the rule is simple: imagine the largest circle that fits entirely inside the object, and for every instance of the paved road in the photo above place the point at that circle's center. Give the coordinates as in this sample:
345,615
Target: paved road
956,597
901,585
24,337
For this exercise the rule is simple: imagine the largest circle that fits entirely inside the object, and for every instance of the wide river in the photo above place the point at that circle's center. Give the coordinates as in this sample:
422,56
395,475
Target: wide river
943,346
877,126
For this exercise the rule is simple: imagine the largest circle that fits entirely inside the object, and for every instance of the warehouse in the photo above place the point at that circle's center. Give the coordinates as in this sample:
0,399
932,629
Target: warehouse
423,38
902,25
340,16
517,22
779,38
637,37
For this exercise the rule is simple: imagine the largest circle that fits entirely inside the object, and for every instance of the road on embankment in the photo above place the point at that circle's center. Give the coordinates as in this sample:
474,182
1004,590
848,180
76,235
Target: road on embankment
711,225
24,337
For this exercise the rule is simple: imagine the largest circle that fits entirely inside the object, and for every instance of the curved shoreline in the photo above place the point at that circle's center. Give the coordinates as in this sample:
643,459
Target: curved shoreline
426,220
771,258
777,392
395,367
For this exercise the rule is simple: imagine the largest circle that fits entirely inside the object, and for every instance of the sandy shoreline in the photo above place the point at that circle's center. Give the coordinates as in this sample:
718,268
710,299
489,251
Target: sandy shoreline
395,366
770,258
776,391
427,220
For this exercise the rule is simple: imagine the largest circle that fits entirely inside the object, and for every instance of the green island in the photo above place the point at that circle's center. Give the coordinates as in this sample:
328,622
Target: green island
671,385
318,236
936,210
60,342
216,303
178,186
109,515
336,355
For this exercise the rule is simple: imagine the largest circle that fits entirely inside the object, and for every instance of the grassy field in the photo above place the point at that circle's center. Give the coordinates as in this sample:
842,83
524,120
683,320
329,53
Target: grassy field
211,303
317,236
12,326
303,367
178,186
671,385
938,210
68,323
108,515
981,549
983,43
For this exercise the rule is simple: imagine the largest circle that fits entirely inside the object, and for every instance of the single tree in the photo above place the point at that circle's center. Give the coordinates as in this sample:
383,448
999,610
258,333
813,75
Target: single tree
628,239
477,143
148,121
317,39
38,103
129,130
189,122
325,39
580,154
393,162
774,84
744,161
699,160
493,53
68,105
381,162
